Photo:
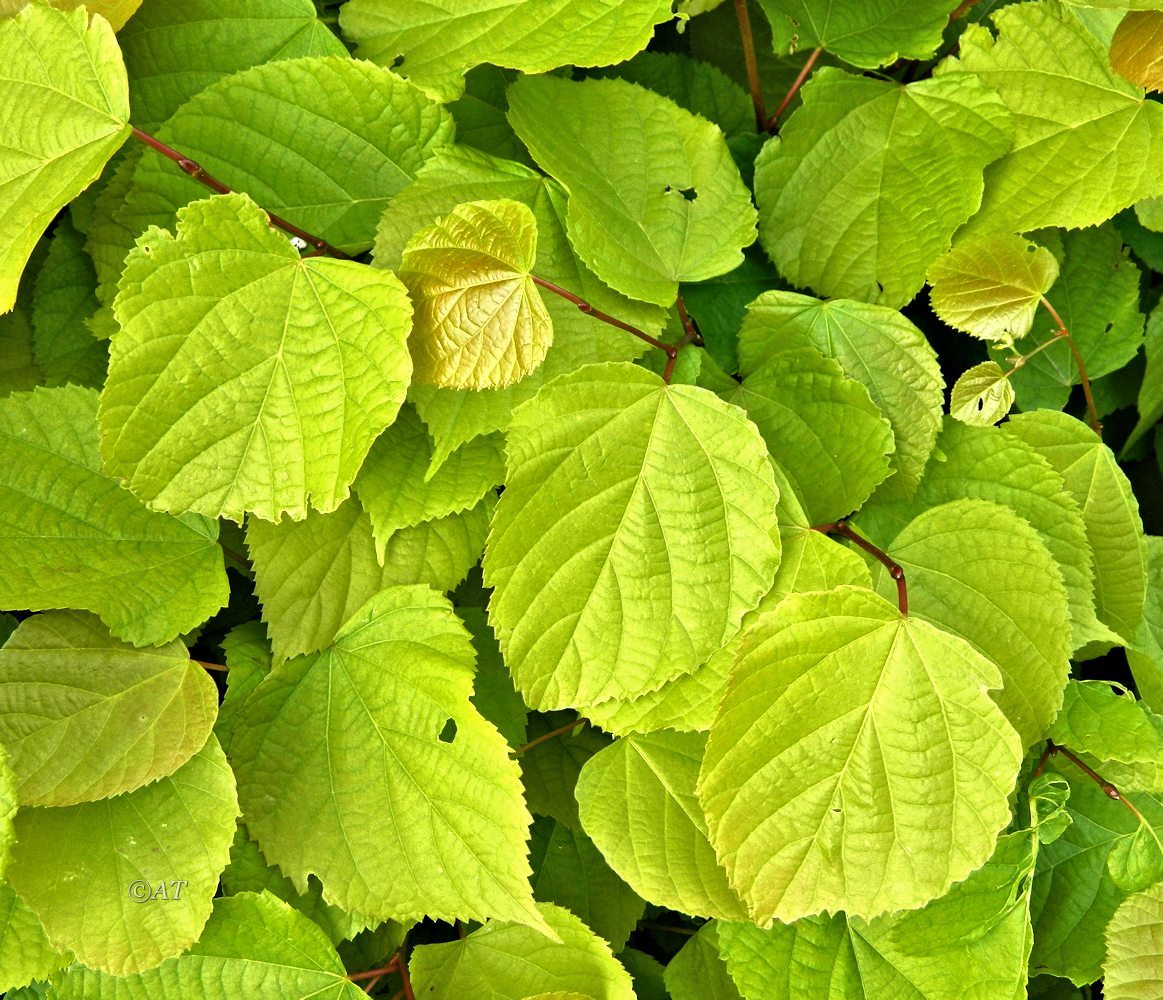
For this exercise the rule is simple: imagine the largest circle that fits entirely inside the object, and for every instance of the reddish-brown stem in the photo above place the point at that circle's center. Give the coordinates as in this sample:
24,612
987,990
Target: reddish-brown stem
545,737
753,82
403,970
667,928
198,173
794,89
1091,409
597,314
371,984
964,8
842,527
691,332
1108,788
210,666
392,966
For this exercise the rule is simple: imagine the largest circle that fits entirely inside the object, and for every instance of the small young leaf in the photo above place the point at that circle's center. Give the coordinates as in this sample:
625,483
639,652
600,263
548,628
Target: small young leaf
982,396
60,127
196,416
637,801
1049,818
1136,862
883,799
664,204
1134,952
126,882
513,962
252,946
989,286
479,320
84,716
1098,721
604,599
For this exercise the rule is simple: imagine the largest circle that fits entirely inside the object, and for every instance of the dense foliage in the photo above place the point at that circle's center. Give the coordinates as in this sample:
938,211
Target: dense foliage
581,500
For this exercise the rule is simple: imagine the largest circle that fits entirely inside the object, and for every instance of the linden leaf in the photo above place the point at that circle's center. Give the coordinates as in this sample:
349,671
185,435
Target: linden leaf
836,213
101,875
1136,51
389,731
990,286
1069,110
603,596
86,717
1134,951
982,395
654,196
59,128
479,322
197,416
75,539
856,761
434,43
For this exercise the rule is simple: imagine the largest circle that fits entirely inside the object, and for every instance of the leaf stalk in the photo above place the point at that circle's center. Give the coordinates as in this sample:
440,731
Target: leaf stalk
545,737
794,89
895,570
1064,334
195,170
753,82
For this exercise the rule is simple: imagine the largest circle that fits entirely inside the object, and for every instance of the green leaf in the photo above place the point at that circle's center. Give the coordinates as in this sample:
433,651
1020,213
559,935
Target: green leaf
1109,512
126,882
63,299
882,800
1134,954
1049,818
637,801
1097,296
174,51
1069,923
8,801
982,396
18,368
643,464
876,346
74,538
699,87
25,952
396,682
1136,862
513,962
550,769
492,689
400,485
84,716
571,872
835,211
480,322
978,570
195,417
867,34
253,946
61,128
988,464
698,972
248,871
1145,656
809,561
311,576
480,114
972,942
1071,112
1095,719
821,427
664,204
255,131
1150,403
437,47
989,286
247,656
